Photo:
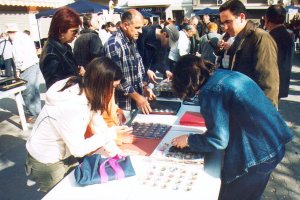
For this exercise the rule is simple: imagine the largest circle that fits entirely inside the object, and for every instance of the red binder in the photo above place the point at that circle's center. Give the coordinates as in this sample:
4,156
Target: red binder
192,119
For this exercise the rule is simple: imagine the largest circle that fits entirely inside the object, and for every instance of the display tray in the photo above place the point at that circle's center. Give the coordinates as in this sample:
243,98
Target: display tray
165,175
184,155
164,90
9,83
149,130
165,107
165,94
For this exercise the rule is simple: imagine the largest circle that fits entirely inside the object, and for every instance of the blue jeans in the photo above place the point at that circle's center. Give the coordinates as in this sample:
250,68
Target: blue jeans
251,185
31,94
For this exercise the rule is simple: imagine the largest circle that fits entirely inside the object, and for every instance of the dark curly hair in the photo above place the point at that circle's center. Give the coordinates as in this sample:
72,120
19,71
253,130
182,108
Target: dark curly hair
190,73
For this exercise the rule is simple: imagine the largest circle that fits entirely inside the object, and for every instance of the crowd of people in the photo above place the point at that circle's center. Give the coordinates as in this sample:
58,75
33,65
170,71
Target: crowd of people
239,70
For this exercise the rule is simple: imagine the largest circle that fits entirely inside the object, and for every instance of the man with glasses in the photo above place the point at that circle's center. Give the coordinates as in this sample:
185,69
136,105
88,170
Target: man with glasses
121,48
254,52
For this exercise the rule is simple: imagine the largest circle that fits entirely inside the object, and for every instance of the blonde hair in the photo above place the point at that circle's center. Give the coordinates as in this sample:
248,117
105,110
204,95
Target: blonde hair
212,27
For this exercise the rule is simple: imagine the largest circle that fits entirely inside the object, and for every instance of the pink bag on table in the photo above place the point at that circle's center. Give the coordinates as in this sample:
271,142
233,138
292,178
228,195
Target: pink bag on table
94,169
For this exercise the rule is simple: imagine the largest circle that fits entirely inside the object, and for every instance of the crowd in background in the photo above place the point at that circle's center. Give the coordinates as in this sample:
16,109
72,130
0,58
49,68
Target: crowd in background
201,24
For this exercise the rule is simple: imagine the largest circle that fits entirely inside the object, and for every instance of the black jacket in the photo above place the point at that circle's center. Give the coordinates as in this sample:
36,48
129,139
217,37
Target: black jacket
285,46
87,46
57,62
154,55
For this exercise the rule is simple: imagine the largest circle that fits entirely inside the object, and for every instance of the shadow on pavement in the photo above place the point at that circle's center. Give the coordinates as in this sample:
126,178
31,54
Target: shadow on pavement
285,107
284,181
10,105
13,179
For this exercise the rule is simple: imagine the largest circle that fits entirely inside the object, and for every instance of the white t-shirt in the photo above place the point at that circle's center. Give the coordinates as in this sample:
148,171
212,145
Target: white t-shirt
7,51
60,127
24,51
181,48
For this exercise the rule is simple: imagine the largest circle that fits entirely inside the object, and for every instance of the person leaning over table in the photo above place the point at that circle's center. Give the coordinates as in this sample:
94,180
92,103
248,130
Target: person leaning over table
71,105
57,61
114,116
239,119
153,45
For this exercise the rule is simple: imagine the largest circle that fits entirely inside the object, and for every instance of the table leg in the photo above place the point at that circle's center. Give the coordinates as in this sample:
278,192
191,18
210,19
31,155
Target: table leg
19,102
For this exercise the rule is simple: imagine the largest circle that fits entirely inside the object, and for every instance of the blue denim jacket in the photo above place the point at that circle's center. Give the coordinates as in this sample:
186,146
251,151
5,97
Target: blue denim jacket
240,119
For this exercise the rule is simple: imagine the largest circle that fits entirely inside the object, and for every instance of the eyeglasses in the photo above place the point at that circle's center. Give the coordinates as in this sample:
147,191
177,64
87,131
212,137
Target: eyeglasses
227,22
74,31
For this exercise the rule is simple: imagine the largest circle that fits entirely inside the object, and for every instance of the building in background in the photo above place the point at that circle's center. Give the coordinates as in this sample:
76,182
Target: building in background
22,12
175,9
255,8
178,9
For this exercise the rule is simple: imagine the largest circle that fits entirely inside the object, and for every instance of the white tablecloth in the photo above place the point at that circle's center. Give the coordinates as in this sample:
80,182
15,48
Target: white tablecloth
207,186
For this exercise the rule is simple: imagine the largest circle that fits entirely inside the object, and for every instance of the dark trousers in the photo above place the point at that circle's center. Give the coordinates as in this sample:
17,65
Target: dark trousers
9,66
251,185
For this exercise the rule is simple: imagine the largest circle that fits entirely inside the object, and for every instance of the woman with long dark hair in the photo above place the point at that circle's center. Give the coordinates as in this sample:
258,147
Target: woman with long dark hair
240,119
71,106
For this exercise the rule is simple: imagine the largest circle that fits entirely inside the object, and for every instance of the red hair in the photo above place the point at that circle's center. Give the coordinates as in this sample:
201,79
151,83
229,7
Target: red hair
63,19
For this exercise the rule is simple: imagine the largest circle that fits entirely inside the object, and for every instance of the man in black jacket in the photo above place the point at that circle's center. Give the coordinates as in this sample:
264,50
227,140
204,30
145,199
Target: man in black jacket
153,45
274,22
88,45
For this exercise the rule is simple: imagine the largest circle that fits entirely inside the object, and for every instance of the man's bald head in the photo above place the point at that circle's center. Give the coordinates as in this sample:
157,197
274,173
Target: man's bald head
132,23
131,14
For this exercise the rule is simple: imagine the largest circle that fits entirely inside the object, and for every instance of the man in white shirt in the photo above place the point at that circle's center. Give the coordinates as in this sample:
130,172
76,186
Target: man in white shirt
27,67
183,45
6,52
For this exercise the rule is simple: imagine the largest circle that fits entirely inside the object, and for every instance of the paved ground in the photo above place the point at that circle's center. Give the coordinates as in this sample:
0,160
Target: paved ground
285,181
283,185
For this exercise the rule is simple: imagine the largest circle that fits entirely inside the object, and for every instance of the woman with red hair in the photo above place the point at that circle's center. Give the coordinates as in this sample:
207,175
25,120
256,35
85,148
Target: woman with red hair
57,61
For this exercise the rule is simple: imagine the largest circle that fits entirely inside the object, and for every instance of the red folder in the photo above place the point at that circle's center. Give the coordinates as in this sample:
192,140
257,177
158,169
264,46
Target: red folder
192,119
142,146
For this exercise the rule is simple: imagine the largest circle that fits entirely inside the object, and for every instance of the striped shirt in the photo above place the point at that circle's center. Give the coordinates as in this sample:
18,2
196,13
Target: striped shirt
124,52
